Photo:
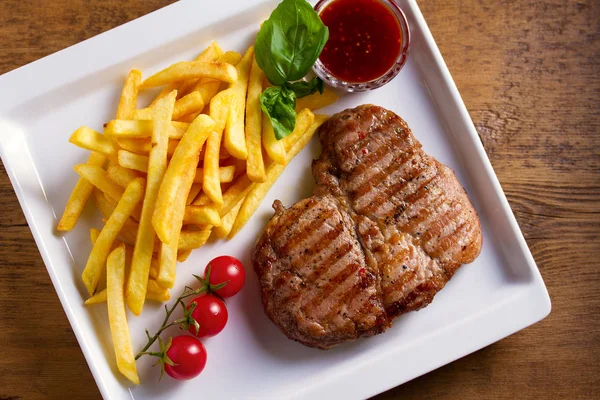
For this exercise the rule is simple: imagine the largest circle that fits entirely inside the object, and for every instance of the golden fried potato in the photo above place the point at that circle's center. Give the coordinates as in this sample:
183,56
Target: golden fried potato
304,119
143,146
316,100
194,190
219,110
144,244
168,254
192,70
189,240
95,264
185,158
235,193
259,190
140,128
202,215
255,167
223,230
183,255
132,161
226,174
89,139
207,87
190,103
117,316
99,178
79,197
212,53
129,95
273,147
234,137
122,176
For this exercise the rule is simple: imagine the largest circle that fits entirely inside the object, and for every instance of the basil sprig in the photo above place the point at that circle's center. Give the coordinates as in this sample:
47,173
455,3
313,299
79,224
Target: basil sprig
287,46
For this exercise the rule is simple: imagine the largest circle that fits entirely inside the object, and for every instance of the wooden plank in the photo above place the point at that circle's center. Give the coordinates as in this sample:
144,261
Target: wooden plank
528,73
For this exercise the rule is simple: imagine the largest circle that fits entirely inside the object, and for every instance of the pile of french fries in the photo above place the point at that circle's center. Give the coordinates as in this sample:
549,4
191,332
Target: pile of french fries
196,162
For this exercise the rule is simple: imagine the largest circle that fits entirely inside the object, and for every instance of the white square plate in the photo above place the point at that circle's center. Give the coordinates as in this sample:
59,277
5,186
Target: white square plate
44,102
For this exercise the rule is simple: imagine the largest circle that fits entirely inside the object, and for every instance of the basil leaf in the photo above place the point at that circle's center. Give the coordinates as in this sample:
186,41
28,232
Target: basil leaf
279,104
303,88
290,41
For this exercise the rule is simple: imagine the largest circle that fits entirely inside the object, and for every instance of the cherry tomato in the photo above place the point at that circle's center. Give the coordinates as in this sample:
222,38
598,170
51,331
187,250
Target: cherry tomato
227,269
210,313
190,356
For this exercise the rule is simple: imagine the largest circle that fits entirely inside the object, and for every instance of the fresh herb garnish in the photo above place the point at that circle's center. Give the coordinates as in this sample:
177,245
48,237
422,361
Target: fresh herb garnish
287,46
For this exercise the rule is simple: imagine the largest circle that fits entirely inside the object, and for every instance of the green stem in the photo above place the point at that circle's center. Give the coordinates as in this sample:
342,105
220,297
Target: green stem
165,324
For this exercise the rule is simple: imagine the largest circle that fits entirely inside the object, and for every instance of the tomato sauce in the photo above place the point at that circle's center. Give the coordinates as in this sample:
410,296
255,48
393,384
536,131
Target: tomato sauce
365,39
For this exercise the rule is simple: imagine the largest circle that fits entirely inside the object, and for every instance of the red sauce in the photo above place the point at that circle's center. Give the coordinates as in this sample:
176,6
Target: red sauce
365,39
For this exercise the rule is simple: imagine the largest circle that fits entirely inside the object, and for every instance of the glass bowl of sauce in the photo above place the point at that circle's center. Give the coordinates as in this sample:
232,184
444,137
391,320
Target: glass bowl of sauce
368,43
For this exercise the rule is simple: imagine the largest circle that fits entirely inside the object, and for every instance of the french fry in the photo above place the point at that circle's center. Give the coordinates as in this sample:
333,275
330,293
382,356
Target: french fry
255,165
89,139
201,200
273,147
202,215
141,128
137,211
129,231
226,174
143,114
129,95
234,136
185,158
189,240
214,56
154,292
258,192
235,193
293,147
168,251
194,190
316,100
121,176
98,177
183,255
189,103
79,197
94,233
133,161
143,146
144,245
219,111
189,118
106,209
223,230
211,53
184,70
154,267
304,119
208,88
117,316
98,298
95,264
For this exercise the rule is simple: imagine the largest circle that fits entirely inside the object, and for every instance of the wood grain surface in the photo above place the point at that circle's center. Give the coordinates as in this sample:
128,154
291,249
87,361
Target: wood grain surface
529,73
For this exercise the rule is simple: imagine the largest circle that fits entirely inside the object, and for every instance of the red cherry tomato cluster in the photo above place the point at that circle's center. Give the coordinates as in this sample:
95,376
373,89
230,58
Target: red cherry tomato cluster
186,356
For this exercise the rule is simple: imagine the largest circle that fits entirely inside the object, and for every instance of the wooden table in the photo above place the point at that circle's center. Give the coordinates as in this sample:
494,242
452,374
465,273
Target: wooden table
528,72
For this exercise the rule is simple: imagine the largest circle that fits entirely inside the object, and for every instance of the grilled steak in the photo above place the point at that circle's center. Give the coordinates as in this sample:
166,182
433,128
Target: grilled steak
386,228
